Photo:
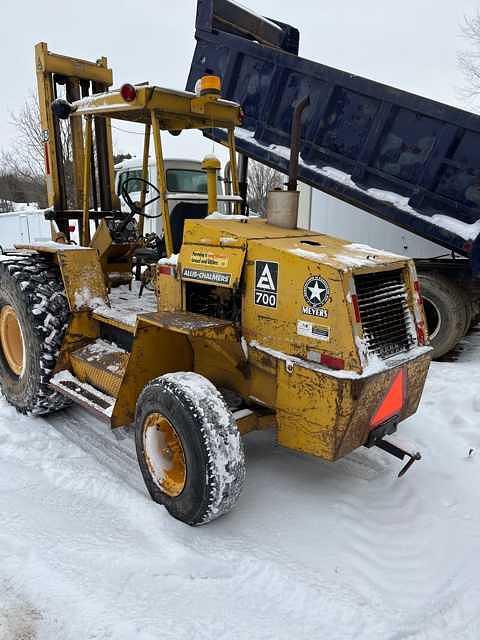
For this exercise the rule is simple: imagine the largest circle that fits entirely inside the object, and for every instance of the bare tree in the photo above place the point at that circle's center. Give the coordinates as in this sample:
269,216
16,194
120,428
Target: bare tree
26,156
469,59
24,162
16,187
261,180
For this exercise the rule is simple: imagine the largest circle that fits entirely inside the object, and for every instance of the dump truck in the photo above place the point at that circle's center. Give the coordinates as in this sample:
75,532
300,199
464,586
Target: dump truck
256,323
403,158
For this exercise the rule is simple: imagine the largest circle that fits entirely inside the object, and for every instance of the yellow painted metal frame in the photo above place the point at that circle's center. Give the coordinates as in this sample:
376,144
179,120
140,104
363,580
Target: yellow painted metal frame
145,364
85,235
143,195
159,109
74,70
176,110
82,276
162,184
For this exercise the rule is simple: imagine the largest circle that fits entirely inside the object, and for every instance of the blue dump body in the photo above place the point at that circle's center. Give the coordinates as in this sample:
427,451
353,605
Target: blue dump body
399,156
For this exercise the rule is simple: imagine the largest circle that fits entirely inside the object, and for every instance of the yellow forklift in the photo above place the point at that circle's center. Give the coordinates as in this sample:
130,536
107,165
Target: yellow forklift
257,324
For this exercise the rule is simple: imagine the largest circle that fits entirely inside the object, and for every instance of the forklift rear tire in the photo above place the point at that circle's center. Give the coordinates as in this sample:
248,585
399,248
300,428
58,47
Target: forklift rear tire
445,310
189,449
34,315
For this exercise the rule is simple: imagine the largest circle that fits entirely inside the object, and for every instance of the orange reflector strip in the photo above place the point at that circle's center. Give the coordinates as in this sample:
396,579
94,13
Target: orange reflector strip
393,402
166,270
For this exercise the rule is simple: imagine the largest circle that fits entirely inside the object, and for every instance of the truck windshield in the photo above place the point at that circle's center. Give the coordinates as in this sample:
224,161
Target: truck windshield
186,181
134,185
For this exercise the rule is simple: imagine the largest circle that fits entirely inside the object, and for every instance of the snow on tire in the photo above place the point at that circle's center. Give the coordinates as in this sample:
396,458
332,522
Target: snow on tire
32,293
188,407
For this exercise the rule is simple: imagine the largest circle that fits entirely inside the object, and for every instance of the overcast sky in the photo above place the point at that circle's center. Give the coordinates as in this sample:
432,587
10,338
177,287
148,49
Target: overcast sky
411,44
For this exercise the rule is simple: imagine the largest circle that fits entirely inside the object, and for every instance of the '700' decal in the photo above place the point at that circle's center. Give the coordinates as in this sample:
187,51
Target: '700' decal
266,283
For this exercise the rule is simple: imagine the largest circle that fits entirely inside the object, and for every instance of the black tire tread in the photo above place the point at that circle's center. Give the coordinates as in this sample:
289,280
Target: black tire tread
39,288
452,301
225,460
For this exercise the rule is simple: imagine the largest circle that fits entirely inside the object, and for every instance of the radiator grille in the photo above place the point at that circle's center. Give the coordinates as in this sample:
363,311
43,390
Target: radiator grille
386,320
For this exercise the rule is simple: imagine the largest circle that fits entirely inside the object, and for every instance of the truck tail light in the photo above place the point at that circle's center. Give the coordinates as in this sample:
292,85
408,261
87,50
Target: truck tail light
419,323
421,337
356,308
418,291
71,228
332,362
393,401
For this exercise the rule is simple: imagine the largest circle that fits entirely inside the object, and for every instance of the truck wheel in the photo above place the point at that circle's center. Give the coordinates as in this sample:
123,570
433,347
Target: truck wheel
34,315
189,449
468,313
445,312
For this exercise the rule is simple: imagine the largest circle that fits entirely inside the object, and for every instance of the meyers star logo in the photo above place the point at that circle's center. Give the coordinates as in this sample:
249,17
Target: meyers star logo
316,291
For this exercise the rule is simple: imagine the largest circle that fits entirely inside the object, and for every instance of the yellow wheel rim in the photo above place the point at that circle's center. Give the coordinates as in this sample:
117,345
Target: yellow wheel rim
11,339
164,454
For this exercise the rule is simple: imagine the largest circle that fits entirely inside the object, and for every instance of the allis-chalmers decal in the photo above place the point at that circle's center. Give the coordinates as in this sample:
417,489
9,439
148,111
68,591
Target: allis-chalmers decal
206,276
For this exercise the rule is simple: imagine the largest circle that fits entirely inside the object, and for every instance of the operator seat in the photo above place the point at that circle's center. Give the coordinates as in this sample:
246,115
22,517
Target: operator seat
181,212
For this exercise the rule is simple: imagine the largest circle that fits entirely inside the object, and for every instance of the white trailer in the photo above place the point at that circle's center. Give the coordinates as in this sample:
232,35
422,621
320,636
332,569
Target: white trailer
20,227
321,212
186,182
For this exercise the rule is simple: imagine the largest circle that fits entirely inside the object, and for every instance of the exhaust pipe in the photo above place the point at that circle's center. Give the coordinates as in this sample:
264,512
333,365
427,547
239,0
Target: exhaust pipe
282,206
295,142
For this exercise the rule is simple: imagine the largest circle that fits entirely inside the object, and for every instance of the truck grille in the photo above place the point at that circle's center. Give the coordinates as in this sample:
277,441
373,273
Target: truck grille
385,316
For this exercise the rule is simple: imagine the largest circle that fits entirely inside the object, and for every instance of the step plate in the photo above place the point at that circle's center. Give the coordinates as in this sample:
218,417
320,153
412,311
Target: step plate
102,364
98,403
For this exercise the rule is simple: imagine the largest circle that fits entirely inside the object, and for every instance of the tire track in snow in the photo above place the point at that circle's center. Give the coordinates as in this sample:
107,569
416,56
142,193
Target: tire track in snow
397,574
400,551
270,571
96,439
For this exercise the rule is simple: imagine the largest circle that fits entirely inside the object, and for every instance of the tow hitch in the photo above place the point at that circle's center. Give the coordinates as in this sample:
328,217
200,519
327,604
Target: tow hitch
400,453
376,438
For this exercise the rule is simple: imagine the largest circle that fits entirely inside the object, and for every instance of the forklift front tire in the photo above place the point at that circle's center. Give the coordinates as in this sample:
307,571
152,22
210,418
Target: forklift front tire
34,315
189,449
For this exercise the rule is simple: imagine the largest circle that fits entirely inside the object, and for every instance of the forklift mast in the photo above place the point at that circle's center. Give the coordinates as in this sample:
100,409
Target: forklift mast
81,79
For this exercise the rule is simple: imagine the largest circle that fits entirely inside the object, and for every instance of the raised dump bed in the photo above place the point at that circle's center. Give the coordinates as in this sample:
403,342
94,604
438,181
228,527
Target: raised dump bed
404,158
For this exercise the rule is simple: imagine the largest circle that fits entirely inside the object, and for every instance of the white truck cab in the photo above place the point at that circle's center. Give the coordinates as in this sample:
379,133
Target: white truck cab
186,182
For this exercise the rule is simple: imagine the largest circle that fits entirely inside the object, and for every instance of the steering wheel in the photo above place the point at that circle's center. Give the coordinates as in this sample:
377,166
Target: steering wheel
134,208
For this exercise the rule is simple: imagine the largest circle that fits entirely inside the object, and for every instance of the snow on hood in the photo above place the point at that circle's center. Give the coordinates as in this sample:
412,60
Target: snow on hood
345,256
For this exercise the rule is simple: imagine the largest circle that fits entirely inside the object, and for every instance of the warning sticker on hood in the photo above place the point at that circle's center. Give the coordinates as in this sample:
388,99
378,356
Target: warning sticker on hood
208,258
311,330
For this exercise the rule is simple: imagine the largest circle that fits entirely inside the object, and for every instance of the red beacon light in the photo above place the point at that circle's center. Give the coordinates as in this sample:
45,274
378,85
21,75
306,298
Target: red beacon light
128,92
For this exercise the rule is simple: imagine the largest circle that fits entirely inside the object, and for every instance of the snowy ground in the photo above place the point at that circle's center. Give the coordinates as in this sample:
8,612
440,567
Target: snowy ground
313,550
